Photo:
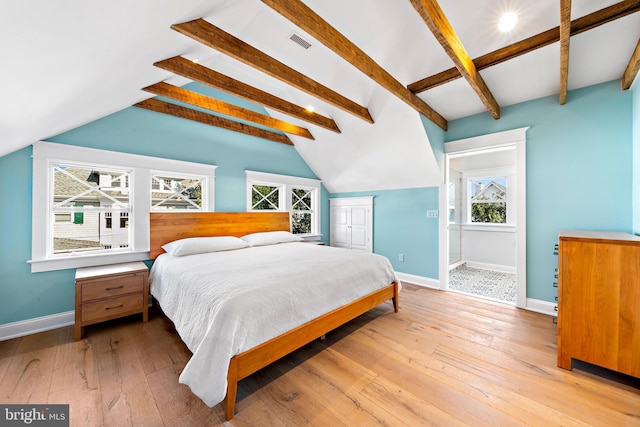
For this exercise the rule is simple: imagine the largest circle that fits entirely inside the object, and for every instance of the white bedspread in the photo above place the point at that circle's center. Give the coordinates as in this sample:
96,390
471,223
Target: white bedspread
224,303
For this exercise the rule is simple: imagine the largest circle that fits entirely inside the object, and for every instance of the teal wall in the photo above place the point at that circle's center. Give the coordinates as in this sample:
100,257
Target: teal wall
636,158
24,295
436,140
579,168
580,174
400,225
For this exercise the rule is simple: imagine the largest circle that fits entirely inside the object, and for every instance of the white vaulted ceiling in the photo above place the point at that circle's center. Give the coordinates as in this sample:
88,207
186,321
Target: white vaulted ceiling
69,62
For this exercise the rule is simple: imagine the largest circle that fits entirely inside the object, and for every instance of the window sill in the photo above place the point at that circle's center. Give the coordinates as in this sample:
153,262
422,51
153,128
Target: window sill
63,263
310,237
503,228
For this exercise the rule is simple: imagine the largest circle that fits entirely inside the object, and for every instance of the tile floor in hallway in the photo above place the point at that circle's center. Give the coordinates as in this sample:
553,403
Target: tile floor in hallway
490,284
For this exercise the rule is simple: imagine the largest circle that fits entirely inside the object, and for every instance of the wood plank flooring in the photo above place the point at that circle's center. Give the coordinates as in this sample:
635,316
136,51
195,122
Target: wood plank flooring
445,359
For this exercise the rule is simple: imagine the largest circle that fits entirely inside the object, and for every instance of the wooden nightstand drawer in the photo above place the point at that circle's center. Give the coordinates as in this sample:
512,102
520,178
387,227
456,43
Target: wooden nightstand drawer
110,287
110,308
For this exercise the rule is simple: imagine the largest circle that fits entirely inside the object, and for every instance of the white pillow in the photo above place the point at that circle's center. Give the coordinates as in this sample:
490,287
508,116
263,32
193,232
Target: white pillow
270,238
200,245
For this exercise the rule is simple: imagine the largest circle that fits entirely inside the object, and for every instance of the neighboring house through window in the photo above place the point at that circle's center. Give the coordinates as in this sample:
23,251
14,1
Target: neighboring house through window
298,196
91,207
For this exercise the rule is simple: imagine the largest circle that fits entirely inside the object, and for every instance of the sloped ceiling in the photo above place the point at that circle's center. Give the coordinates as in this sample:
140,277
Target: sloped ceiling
69,62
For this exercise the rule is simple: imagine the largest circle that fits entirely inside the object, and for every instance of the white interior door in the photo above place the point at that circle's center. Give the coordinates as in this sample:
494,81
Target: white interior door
359,228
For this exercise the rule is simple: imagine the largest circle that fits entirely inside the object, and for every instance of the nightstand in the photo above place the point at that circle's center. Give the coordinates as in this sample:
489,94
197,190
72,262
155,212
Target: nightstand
110,291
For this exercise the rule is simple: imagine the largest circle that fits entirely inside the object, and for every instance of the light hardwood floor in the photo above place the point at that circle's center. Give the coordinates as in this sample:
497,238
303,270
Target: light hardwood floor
445,359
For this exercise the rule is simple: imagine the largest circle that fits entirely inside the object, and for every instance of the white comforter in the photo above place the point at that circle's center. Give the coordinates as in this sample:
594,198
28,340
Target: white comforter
224,303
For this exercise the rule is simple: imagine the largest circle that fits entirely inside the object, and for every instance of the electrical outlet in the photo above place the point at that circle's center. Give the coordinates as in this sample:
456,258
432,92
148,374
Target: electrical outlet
432,213
401,257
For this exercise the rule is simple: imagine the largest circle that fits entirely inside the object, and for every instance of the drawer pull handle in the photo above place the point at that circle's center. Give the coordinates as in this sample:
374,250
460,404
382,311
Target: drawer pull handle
114,288
113,308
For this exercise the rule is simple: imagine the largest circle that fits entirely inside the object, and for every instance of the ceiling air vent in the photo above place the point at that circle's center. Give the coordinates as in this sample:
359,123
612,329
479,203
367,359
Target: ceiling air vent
299,40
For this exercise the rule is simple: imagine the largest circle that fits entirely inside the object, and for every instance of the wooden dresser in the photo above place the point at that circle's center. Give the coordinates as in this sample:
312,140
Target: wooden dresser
599,300
109,292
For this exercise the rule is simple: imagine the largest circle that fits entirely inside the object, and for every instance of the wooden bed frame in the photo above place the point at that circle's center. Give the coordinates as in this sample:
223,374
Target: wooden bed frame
167,227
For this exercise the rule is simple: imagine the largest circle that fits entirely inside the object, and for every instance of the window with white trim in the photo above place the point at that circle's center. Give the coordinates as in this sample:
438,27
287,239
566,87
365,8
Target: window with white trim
299,196
488,200
91,207
301,209
176,192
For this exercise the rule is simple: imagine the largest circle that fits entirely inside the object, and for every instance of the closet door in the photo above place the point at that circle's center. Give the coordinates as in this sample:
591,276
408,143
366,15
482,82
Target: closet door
340,231
352,223
359,228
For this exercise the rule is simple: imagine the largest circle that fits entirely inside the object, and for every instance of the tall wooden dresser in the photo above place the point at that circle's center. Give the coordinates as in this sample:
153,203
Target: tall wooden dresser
599,300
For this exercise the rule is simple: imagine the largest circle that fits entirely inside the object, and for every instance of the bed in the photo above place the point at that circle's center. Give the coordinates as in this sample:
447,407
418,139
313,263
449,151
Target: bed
237,318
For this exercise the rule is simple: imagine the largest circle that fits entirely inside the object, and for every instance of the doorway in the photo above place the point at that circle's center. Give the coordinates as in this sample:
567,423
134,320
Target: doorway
483,244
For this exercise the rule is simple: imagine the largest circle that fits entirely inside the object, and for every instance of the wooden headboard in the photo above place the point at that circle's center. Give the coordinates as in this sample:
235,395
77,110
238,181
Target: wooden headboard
165,227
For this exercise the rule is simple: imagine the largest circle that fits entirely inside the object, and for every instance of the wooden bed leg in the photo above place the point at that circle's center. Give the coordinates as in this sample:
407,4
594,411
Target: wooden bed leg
395,296
232,388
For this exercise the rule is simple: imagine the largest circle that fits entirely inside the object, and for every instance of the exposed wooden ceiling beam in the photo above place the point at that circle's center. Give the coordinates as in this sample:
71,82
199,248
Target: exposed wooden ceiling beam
201,74
565,33
196,99
306,19
208,119
439,25
214,37
632,68
532,43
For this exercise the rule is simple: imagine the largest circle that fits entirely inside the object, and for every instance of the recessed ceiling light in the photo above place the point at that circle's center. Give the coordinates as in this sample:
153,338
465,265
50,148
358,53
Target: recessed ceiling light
309,108
508,21
195,61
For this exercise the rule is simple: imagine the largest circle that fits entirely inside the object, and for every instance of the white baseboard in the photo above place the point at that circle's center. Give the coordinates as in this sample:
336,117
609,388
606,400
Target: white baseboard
493,267
540,306
54,321
33,326
426,282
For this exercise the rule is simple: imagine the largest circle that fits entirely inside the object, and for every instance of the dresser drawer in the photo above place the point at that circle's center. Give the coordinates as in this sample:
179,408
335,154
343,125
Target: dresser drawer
111,307
113,286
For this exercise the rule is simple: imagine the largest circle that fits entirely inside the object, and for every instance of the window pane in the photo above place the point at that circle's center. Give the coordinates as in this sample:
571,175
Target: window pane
301,223
265,197
90,235
77,186
488,200
179,193
495,213
301,199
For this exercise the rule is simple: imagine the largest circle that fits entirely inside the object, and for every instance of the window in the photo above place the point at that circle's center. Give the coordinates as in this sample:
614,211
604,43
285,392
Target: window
299,196
488,200
82,193
124,222
265,198
89,212
301,212
62,217
176,192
